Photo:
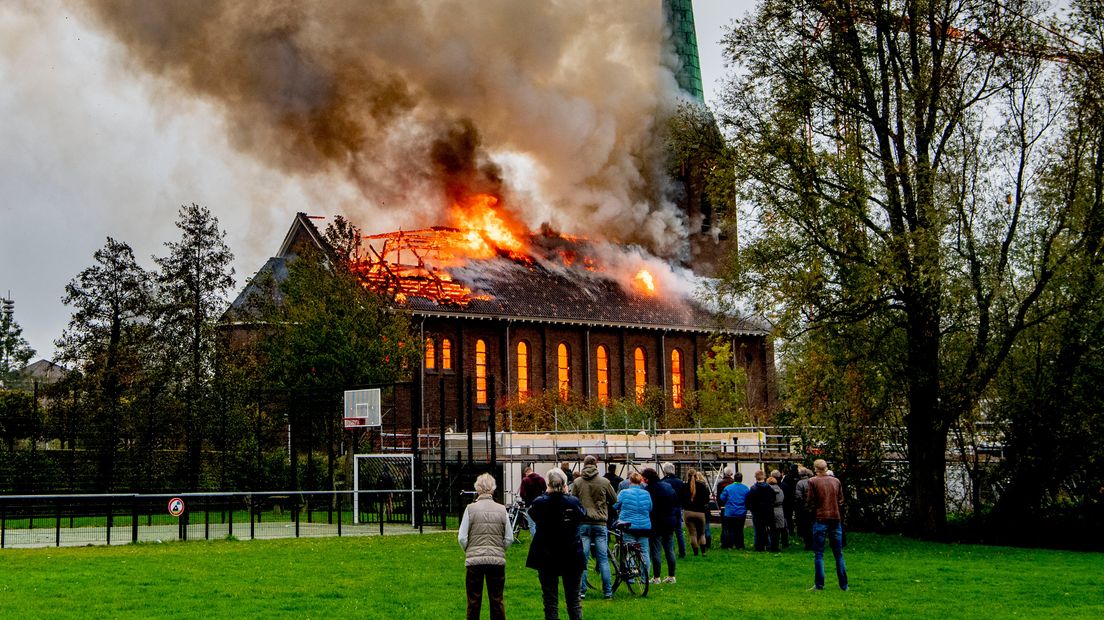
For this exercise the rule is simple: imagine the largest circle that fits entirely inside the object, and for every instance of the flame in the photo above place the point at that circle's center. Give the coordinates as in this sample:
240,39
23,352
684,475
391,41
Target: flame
644,282
487,230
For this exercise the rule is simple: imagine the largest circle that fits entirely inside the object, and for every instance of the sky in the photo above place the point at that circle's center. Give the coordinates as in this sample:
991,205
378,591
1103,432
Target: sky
91,151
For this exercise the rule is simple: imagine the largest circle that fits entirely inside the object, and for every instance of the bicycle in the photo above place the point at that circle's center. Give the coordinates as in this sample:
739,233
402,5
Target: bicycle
518,515
627,563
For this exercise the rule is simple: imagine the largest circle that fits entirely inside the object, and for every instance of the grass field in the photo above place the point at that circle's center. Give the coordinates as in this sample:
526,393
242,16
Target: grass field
422,577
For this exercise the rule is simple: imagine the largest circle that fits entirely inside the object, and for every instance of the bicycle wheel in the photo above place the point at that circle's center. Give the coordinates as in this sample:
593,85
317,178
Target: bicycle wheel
519,524
634,568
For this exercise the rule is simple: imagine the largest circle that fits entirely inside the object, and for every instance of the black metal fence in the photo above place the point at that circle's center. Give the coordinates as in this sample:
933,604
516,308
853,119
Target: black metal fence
79,520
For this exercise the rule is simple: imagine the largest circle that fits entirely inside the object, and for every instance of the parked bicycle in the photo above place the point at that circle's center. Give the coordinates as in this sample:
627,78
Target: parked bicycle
627,563
518,515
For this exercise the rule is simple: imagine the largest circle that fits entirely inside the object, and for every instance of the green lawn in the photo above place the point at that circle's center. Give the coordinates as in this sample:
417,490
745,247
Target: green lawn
422,577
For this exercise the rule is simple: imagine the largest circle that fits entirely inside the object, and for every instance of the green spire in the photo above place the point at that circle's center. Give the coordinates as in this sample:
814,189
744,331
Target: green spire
680,17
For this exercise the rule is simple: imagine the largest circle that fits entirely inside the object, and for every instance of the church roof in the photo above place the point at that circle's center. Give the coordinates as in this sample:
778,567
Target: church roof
523,289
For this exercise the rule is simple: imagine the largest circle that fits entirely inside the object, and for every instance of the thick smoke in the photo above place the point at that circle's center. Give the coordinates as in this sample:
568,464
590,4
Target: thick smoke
554,105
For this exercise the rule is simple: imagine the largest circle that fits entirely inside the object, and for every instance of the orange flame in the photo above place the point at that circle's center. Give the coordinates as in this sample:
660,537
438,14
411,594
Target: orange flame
644,282
486,230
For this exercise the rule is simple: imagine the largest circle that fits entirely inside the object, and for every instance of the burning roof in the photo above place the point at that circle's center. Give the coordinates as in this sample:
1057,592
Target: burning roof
487,266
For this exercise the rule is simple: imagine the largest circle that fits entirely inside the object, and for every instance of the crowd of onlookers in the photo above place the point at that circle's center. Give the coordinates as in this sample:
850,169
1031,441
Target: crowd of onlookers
570,514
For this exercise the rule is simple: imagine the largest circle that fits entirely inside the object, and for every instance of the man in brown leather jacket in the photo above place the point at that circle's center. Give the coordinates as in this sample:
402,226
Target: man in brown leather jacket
824,499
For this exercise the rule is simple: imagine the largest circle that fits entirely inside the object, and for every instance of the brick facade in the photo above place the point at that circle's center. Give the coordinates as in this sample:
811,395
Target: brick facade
501,339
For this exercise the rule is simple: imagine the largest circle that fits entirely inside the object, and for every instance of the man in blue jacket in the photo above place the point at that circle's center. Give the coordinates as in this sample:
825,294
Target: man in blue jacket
734,500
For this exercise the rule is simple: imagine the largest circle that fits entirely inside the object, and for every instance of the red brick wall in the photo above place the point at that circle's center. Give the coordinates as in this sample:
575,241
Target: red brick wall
543,341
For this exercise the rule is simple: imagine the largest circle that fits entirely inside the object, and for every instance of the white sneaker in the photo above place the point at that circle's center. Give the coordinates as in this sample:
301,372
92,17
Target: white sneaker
655,580
669,580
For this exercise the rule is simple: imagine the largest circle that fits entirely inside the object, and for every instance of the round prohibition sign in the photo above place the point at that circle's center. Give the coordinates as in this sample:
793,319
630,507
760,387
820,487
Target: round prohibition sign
176,506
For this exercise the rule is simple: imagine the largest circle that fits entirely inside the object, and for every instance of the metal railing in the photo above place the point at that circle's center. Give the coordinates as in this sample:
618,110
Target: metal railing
110,519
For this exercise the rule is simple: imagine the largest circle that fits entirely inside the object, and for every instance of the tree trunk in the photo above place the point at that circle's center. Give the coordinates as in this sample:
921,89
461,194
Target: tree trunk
927,432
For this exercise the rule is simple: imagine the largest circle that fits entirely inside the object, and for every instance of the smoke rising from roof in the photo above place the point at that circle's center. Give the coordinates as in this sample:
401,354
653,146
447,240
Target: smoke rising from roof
554,106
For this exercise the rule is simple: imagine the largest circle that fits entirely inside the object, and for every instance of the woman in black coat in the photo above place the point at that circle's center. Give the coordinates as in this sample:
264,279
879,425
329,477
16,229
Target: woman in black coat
557,551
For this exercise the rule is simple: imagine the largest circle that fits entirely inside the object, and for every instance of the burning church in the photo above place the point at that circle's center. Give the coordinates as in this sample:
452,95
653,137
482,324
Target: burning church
505,314
544,232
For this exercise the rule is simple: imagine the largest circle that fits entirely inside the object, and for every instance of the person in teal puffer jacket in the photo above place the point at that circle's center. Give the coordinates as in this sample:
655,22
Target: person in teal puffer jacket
634,507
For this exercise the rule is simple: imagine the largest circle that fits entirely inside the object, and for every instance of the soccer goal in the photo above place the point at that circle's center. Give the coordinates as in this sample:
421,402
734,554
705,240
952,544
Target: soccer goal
390,474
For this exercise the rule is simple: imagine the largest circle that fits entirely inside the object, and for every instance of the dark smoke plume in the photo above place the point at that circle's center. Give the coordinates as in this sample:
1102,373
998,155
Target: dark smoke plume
552,105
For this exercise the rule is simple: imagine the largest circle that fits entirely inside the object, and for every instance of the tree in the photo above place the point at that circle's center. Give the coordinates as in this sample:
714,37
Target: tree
18,417
14,350
723,400
330,333
193,281
107,340
891,151
1050,397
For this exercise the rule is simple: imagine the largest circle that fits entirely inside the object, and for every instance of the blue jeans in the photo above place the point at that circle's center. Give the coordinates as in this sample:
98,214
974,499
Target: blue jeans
667,543
833,531
597,535
532,526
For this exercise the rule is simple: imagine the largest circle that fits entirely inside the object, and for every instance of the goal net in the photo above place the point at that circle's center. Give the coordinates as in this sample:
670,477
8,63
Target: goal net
390,479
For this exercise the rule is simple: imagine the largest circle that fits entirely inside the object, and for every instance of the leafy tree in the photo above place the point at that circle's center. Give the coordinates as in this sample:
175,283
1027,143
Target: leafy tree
334,332
107,339
19,417
193,280
1050,398
14,350
886,195
723,401
330,333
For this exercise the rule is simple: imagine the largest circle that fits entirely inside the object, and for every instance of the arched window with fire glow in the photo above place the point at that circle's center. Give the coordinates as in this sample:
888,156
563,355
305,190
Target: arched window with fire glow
480,372
603,374
446,354
676,378
430,354
523,371
563,366
640,365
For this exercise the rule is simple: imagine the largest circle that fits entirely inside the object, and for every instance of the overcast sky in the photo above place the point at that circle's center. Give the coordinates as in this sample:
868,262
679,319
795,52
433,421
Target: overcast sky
86,152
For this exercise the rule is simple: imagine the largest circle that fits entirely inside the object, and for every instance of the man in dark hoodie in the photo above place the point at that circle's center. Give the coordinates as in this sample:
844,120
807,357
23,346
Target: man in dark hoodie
597,496
760,502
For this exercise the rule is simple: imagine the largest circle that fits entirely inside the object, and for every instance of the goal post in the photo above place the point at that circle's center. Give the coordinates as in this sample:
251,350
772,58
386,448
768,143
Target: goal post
393,473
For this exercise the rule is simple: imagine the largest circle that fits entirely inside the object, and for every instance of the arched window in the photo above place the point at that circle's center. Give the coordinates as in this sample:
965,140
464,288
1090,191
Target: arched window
641,371
480,372
523,371
563,366
676,378
430,354
603,374
446,354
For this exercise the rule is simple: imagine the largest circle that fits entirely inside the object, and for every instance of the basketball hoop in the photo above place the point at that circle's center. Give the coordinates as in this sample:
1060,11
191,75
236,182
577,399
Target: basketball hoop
362,409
